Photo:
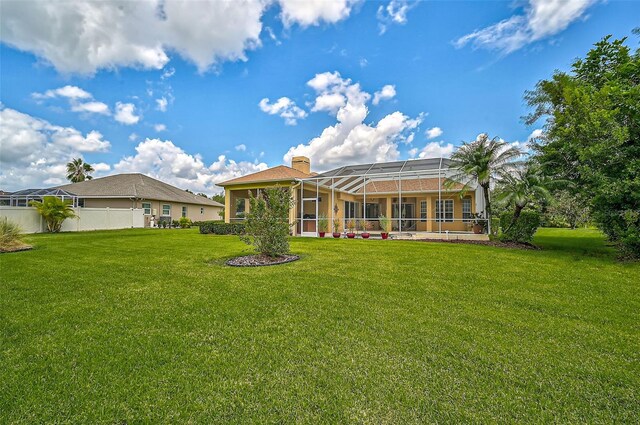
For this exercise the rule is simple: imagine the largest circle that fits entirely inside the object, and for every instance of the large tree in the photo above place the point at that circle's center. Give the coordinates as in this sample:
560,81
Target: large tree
78,170
479,162
592,135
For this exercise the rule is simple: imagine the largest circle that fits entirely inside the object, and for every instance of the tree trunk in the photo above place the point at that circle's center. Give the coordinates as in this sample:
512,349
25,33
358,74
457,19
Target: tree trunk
487,204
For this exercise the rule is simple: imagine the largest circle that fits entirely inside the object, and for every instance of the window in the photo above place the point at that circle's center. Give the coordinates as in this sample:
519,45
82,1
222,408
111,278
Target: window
466,209
372,210
146,206
201,210
166,210
446,209
351,209
423,211
184,211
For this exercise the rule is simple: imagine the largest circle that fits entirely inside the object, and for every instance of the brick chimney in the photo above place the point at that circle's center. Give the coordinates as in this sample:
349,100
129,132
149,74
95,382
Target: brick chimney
301,163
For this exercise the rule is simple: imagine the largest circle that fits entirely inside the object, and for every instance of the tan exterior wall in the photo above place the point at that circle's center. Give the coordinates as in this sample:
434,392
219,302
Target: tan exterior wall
193,210
327,203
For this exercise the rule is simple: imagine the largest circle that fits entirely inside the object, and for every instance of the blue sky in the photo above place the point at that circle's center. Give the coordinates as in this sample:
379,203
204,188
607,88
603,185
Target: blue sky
199,93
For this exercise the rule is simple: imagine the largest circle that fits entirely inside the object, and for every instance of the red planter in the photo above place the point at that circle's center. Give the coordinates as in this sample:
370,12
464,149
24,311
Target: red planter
336,235
351,235
384,235
365,235
321,234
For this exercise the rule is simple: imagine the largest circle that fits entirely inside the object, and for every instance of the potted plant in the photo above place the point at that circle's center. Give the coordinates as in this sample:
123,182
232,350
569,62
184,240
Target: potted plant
336,228
384,226
478,223
365,226
323,225
351,226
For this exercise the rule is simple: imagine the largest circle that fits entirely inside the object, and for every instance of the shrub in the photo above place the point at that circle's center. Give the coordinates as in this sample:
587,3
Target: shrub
54,211
522,229
185,223
221,228
267,224
10,235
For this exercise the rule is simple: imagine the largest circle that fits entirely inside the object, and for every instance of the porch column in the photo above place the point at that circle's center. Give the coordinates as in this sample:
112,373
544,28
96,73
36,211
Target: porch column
388,210
430,217
227,206
247,205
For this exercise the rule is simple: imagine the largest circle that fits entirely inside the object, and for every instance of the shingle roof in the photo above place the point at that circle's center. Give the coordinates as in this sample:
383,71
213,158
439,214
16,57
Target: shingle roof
408,185
135,186
279,173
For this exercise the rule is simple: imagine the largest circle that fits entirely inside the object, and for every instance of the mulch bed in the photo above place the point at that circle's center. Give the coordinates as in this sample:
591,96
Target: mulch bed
499,244
258,260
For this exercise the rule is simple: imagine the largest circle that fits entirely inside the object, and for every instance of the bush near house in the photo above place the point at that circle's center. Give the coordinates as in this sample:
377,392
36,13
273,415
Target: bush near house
217,227
185,222
521,230
267,225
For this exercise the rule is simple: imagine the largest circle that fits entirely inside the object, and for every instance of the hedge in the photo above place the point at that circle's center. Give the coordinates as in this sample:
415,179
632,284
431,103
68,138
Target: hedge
220,228
522,230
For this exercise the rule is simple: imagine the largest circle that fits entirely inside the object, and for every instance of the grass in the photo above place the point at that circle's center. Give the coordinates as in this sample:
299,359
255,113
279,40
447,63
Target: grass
150,326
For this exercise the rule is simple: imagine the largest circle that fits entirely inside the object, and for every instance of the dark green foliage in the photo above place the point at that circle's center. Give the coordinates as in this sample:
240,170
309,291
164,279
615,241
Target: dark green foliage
220,227
79,171
267,221
593,136
521,229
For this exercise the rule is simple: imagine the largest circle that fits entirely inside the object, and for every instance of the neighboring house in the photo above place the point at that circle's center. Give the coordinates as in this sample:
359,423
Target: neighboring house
411,193
157,200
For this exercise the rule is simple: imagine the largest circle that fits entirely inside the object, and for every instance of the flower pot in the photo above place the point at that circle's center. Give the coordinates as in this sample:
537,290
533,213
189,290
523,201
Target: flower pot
365,235
478,228
336,235
321,234
351,235
384,235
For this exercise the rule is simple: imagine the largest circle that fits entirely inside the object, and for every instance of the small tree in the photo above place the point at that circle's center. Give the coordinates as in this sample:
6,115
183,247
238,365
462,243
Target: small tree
54,211
568,209
267,221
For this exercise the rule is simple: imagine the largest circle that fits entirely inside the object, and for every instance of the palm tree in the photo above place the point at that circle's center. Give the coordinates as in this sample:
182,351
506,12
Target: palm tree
480,161
523,186
54,211
78,170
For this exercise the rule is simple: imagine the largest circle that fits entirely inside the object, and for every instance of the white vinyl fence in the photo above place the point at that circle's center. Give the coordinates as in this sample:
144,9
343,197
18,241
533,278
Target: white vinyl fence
88,219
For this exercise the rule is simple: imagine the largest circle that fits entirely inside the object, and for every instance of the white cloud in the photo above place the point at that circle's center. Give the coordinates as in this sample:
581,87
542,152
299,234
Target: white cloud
84,36
92,107
434,132
387,92
101,167
535,134
241,148
312,12
285,108
70,92
133,137
162,104
350,140
541,19
395,12
35,151
433,150
126,113
159,127
165,161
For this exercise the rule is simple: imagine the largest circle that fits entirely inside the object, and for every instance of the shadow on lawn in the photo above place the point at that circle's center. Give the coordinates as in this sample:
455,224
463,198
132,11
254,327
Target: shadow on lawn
577,243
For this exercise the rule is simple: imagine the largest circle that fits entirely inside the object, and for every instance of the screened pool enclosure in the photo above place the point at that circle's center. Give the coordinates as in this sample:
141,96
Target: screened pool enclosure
412,194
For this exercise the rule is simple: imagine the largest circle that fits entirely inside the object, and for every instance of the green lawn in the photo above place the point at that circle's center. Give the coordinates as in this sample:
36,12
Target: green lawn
150,326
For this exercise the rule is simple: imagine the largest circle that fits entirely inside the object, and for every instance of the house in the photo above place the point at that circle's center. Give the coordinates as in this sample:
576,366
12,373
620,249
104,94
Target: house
156,198
411,193
158,201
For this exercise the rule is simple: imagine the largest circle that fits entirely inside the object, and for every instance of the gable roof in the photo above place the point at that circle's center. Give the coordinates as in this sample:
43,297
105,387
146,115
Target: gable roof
135,186
274,174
